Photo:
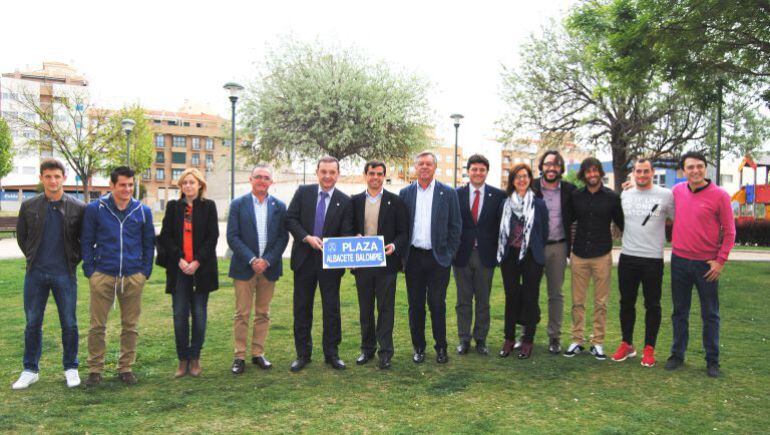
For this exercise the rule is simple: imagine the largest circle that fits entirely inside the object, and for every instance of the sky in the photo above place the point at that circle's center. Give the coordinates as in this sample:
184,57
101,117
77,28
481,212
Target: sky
161,53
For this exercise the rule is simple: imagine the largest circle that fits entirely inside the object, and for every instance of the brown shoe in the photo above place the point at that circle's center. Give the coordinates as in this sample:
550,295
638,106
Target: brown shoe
195,368
94,379
128,378
182,369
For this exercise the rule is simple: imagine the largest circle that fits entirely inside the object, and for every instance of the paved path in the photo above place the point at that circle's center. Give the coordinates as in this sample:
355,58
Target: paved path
9,249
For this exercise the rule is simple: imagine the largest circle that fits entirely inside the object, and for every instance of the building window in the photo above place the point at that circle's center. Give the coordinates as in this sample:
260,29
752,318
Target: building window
179,142
198,125
160,141
186,124
196,143
195,159
209,160
172,123
725,179
179,158
160,157
225,143
146,174
176,173
659,179
156,121
160,174
209,143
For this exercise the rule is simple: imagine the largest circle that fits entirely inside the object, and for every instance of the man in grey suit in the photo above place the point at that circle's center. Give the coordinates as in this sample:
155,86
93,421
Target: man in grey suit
434,234
257,235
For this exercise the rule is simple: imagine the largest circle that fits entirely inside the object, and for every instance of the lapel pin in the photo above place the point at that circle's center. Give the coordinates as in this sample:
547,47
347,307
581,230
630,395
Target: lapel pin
441,193
338,204
388,202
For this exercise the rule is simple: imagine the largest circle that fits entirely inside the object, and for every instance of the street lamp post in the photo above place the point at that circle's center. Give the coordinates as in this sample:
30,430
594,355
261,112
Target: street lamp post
235,90
128,126
456,117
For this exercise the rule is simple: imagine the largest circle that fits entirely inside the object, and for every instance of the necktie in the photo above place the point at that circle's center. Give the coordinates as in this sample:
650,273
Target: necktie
475,207
320,214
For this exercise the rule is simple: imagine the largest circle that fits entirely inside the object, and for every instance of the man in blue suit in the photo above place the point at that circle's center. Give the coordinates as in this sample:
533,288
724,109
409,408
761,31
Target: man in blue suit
257,235
434,234
474,265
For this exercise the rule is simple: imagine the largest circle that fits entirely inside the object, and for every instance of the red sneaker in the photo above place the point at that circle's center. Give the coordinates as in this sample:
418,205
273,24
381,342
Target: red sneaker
624,351
648,356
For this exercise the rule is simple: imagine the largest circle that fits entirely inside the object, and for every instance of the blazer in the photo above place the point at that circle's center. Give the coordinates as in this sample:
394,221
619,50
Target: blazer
566,208
391,224
204,237
538,235
300,219
243,240
446,222
485,232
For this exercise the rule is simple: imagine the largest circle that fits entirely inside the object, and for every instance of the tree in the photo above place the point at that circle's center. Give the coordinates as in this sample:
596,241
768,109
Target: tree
69,125
142,140
6,152
312,100
563,86
744,128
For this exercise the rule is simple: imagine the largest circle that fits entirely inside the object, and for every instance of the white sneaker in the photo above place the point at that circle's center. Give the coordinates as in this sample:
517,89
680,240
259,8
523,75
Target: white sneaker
26,379
73,377
597,351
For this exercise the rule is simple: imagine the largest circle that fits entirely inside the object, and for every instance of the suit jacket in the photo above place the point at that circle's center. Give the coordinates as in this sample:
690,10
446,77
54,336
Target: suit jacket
446,223
300,219
566,208
243,239
539,234
391,224
204,236
485,232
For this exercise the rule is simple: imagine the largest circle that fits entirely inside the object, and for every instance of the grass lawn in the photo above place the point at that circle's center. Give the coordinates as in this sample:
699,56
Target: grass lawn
470,394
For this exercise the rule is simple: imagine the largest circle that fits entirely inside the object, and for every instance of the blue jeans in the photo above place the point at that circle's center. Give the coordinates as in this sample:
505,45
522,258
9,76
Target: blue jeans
187,303
37,286
684,274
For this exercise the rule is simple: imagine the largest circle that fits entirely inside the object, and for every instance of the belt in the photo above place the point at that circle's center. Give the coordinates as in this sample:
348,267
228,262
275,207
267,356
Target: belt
420,249
553,242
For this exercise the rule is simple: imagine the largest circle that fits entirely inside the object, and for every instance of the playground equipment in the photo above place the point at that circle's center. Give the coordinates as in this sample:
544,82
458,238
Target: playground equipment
753,199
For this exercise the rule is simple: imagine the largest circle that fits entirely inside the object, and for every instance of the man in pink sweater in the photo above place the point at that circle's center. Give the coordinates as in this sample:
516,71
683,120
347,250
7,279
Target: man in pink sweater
704,234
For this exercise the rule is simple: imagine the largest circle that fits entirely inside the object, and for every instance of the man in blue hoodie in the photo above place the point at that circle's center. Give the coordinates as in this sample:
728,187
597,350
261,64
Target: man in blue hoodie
118,245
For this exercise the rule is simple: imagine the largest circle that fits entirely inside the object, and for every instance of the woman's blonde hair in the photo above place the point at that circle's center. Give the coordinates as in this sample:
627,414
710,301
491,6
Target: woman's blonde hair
198,176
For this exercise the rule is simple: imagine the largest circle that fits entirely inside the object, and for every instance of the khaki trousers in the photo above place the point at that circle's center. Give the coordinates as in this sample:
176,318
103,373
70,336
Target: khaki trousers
259,291
104,288
583,269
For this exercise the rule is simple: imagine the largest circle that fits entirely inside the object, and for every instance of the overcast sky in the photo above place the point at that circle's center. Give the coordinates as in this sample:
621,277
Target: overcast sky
161,53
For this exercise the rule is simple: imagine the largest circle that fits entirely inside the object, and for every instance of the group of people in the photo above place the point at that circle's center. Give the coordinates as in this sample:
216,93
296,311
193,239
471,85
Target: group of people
429,229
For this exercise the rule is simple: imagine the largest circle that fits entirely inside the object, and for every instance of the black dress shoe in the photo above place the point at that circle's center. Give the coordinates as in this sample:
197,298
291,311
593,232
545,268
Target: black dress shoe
481,347
364,358
419,356
384,362
239,366
463,347
554,346
335,362
299,364
441,356
261,362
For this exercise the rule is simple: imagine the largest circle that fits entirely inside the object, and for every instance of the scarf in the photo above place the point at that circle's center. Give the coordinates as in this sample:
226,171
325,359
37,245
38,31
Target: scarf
521,208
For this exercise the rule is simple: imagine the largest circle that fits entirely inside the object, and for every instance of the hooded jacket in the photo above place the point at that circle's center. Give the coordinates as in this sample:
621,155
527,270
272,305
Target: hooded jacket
117,243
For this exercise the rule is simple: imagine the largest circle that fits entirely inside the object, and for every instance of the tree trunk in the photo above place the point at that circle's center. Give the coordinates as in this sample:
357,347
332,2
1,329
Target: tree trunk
619,161
86,192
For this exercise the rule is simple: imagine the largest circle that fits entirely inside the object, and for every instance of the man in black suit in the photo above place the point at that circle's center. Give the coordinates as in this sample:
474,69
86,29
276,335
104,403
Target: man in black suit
476,258
556,193
377,212
317,211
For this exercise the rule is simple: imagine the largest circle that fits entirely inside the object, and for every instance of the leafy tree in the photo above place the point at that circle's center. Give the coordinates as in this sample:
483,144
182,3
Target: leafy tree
142,140
70,126
6,150
311,100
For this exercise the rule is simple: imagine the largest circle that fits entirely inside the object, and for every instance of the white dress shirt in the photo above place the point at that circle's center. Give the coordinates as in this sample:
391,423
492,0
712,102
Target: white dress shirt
260,217
472,192
422,216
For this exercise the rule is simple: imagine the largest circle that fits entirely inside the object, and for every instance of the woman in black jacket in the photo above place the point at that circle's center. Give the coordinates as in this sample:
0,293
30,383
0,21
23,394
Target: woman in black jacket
187,249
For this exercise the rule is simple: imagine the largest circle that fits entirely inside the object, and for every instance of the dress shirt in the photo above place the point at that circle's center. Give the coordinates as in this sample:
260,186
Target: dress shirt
328,198
594,212
552,198
260,217
472,192
422,216
374,198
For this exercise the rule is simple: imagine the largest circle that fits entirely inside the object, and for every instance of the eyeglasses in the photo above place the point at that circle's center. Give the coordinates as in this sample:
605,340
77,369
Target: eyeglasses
551,165
261,177
521,177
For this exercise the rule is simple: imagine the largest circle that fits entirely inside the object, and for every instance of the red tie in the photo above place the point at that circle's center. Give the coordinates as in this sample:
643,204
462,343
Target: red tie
475,207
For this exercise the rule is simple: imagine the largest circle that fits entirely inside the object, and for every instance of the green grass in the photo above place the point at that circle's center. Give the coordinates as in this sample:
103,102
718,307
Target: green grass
470,394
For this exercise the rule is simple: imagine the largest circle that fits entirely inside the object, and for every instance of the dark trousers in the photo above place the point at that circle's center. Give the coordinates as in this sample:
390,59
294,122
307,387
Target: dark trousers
521,281
306,278
631,272
684,274
373,286
37,286
186,304
473,280
426,279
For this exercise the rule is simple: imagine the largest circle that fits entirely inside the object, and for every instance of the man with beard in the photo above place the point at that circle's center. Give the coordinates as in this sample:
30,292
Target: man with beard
594,207
556,193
